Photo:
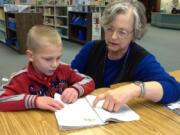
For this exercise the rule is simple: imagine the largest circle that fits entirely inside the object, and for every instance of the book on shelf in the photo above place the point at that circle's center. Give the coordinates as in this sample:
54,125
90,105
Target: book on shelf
81,114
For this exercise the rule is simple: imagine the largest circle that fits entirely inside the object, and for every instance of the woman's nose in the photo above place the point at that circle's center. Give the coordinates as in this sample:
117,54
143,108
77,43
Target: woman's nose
115,35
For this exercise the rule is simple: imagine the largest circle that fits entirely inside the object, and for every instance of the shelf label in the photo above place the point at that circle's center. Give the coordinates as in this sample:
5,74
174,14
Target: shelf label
96,27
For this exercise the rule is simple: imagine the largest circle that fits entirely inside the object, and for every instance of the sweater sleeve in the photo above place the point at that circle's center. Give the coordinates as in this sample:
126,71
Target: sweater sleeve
150,70
14,98
82,83
80,59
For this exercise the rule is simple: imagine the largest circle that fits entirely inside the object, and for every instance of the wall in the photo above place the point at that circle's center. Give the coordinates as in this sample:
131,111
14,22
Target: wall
167,5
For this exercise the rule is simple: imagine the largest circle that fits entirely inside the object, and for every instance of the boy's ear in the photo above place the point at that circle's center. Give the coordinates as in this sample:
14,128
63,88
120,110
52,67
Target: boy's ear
29,55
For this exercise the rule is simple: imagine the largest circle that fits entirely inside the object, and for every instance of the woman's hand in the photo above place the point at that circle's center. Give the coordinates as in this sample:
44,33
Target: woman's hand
114,99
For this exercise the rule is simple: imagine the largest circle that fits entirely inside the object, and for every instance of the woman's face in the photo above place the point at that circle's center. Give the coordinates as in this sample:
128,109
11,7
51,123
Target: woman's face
119,33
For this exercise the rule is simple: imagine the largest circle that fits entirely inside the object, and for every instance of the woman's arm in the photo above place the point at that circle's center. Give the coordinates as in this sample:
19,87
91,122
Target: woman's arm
159,86
157,80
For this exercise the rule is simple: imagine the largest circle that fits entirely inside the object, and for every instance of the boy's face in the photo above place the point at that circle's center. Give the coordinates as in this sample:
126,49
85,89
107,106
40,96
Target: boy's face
45,59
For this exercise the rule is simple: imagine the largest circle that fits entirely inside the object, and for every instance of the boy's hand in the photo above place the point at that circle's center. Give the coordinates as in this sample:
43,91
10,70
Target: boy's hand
69,95
48,103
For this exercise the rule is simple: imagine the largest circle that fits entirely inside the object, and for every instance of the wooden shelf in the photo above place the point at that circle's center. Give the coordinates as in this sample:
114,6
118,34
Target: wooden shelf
17,27
52,25
2,40
84,26
11,29
57,16
78,25
2,26
3,30
61,16
2,20
61,20
61,26
3,36
78,32
48,15
66,37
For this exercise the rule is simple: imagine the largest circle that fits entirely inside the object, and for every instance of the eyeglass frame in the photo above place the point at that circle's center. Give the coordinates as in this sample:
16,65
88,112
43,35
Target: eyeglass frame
122,34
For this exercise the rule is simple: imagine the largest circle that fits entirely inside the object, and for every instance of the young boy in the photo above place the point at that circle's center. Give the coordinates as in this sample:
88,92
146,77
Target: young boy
35,85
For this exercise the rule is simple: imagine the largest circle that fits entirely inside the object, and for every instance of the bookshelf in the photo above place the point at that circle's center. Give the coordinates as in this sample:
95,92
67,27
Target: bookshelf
62,20
56,14
80,26
84,26
2,25
17,27
48,13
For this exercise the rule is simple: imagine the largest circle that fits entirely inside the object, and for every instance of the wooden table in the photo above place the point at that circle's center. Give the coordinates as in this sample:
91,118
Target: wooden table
176,74
161,109
155,120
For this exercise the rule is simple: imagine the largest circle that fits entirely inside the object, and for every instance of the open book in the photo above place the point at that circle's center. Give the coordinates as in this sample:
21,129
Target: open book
81,114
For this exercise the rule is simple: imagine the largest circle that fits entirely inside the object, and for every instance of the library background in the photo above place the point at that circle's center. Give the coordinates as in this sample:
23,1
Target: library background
75,20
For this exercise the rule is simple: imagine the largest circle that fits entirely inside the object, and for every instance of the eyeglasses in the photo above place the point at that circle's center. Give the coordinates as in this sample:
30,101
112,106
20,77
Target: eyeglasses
121,33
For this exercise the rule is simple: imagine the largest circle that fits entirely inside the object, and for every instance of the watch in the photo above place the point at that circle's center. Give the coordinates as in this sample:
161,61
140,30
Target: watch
141,85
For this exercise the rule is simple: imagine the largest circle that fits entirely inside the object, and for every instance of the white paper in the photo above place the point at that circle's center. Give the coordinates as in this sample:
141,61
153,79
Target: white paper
76,115
124,114
174,105
82,114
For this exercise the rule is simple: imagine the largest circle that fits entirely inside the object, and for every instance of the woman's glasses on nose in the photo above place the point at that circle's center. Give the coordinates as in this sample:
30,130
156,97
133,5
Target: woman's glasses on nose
121,33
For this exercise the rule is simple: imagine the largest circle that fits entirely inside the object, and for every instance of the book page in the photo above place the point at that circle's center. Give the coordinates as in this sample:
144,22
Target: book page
175,107
76,115
125,113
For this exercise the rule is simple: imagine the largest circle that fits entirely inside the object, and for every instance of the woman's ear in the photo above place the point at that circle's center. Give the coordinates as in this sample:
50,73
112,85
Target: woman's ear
29,54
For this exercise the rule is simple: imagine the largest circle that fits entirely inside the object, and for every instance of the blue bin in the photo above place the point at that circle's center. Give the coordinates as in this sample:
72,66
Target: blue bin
81,35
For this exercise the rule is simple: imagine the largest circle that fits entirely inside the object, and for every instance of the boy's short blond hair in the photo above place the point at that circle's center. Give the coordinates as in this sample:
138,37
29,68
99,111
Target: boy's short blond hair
39,32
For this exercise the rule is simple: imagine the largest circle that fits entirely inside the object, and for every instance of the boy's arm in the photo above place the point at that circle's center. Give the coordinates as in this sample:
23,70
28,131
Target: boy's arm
85,86
16,102
14,97
82,83
25,101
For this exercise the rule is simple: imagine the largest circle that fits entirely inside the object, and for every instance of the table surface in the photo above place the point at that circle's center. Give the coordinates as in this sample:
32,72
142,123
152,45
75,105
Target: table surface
155,119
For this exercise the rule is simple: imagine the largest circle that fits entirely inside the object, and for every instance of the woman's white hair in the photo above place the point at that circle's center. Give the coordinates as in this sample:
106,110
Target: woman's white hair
123,6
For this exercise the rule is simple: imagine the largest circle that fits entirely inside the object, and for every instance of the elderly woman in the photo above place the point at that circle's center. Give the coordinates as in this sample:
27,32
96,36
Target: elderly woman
119,58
